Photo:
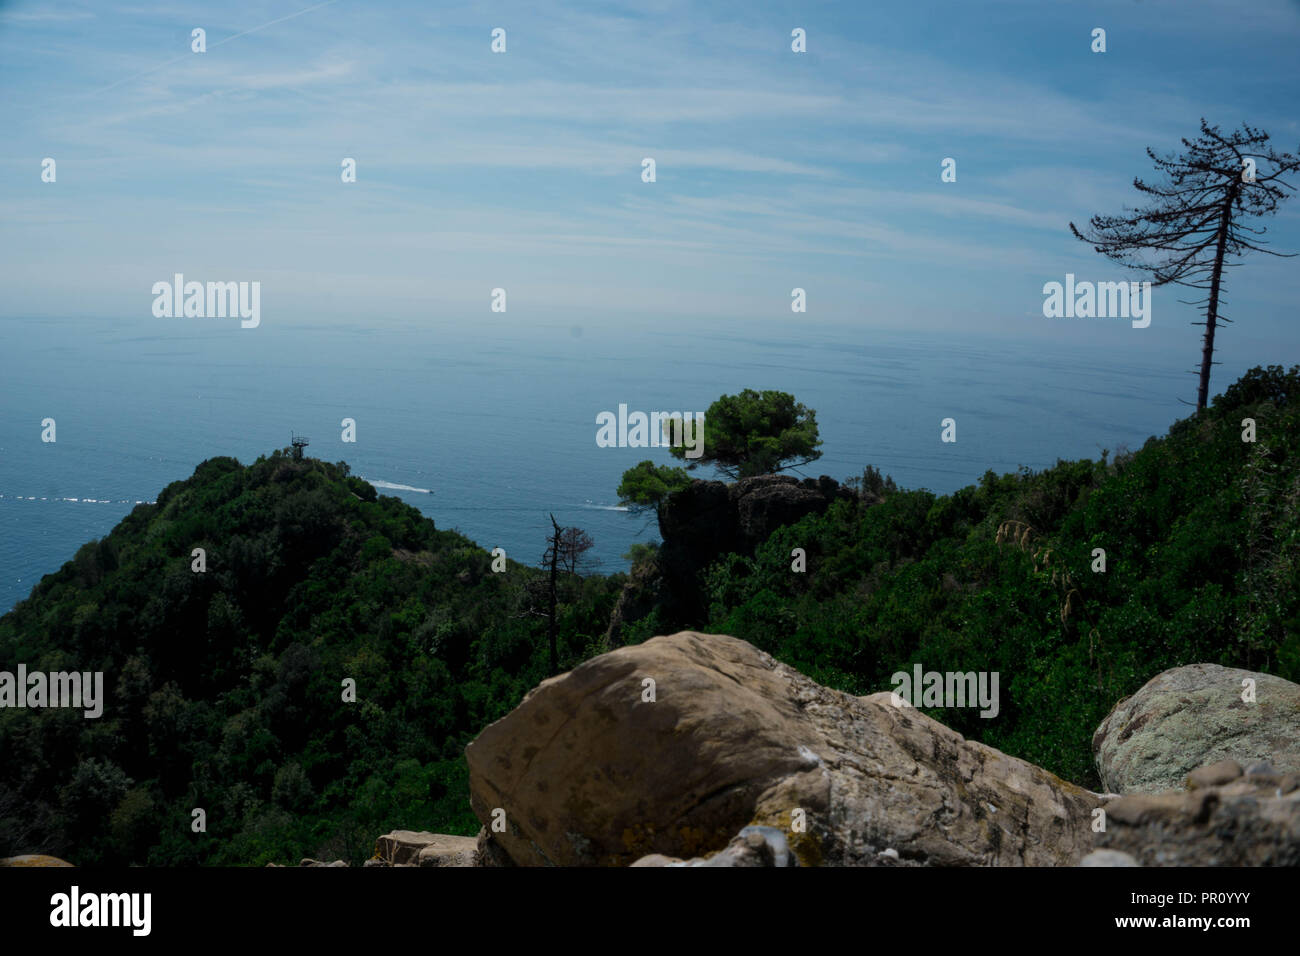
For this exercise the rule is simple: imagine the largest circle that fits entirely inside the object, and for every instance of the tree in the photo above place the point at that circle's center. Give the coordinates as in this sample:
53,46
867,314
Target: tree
756,433
1195,225
647,486
565,551
872,484
1273,384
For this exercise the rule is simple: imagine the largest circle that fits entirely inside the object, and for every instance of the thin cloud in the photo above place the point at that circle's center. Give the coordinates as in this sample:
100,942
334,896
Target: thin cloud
211,47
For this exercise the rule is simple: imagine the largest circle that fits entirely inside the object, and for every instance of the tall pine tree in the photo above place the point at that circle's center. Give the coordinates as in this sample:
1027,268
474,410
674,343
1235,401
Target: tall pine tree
1196,225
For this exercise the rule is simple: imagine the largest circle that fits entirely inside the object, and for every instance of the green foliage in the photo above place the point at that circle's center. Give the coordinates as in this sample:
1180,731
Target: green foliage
1201,533
872,484
756,433
647,485
223,688
642,554
1258,385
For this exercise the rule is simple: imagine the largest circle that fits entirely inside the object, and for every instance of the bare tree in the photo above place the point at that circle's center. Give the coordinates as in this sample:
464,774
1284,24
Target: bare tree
566,550
1195,225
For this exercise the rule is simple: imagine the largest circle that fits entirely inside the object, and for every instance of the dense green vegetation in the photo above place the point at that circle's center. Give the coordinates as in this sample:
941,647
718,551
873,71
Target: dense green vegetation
755,433
224,687
646,486
1201,533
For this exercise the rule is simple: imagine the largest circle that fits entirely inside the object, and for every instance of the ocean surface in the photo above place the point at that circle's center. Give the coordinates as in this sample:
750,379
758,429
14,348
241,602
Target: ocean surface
500,425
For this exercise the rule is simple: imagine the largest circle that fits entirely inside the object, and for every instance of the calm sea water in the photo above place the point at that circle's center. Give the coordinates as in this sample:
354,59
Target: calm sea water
500,426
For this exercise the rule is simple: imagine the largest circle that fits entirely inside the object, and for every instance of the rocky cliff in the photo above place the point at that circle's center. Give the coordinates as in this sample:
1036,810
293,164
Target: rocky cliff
707,520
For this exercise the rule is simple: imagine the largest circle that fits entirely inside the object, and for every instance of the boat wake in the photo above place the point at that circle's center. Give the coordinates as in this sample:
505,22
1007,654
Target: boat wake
393,486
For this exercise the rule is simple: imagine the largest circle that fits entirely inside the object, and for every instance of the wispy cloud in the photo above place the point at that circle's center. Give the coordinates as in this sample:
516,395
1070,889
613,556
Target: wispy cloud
773,168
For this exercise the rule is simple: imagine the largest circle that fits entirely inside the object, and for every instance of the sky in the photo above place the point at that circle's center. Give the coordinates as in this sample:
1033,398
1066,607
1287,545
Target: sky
522,170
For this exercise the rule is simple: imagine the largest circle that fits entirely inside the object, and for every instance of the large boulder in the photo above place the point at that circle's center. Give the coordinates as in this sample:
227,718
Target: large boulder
1195,715
590,770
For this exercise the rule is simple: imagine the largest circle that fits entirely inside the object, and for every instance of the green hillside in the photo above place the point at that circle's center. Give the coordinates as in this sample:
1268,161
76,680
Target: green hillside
225,687
1201,533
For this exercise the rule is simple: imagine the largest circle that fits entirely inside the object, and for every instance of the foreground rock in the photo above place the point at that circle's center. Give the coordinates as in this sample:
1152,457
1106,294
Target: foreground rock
421,848
450,851
1108,858
33,859
1191,716
1238,819
753,846
588,772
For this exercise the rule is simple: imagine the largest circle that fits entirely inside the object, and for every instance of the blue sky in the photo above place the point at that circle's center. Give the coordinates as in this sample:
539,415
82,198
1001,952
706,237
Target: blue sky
522,170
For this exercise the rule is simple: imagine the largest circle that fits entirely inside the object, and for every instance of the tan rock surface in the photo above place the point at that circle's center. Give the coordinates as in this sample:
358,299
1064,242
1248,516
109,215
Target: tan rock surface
449,851
33,859
403,847
589,772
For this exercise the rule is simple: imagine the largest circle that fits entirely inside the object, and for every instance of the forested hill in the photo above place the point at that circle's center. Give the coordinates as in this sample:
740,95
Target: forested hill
1077,584
225,687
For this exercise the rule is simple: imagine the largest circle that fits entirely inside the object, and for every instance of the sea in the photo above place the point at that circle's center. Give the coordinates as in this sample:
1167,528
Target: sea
489,430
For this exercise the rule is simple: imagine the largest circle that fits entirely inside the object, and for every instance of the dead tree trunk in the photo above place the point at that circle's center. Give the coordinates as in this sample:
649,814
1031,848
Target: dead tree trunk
550,625
1212,306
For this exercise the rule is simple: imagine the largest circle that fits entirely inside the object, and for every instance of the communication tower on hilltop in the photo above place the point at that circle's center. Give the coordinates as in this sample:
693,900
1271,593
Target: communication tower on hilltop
299,442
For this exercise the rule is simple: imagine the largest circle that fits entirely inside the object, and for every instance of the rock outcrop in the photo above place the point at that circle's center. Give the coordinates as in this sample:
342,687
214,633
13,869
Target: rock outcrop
449,851
1108,858
711,518
421,848
1226,818
589,769
643,592
753,846
1195,715
33,859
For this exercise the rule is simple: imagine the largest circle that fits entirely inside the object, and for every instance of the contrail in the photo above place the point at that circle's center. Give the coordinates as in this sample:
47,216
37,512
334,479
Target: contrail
263,26
269,23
